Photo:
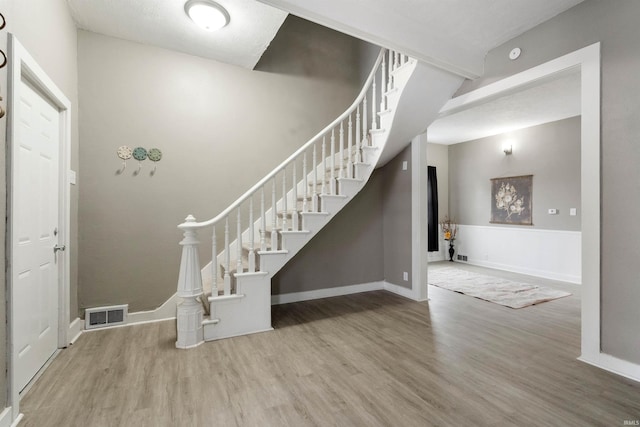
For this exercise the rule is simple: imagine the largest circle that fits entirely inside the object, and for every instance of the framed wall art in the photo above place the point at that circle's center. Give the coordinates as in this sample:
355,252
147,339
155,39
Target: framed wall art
511,200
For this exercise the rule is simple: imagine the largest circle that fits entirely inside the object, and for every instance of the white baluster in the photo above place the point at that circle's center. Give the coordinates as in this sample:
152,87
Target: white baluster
274,218
341,174
284,199
397,60
383,84
305,183
227,258
350,148
324,165
189,312
252,253
374,116
314,200
332,181
294,194
364,122
390,83
358,139
239,268
214,263
263,223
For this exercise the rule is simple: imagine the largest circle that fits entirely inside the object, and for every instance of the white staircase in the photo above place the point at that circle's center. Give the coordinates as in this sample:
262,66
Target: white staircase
272,221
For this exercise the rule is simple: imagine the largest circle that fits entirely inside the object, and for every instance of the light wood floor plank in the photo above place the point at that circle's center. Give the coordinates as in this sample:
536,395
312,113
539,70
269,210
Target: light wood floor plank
372,359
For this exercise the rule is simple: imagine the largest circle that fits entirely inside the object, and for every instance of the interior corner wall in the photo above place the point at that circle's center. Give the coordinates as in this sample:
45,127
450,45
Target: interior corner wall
221,128
615,25
50,37
396,217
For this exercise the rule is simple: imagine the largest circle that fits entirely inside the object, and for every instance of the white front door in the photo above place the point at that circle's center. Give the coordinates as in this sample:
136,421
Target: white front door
35,224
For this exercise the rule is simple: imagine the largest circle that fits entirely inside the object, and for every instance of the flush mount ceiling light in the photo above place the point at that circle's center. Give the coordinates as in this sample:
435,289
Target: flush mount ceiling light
207,14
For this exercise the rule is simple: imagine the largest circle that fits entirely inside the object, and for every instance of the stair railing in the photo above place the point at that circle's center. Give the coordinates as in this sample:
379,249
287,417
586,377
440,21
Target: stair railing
286,202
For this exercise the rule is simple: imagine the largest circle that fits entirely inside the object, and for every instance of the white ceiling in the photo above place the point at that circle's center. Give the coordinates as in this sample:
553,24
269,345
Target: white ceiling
549,101
164,23
452,34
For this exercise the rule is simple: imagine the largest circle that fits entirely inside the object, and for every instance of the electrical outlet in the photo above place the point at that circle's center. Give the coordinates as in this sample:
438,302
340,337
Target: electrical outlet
405,165
553,211
573,211
405,276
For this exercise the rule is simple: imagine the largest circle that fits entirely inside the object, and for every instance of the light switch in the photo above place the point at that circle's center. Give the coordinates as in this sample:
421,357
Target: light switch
573,211
405,165
72,177
553,211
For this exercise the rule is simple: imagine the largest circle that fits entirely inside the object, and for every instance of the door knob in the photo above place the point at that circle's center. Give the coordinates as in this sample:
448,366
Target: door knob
57,248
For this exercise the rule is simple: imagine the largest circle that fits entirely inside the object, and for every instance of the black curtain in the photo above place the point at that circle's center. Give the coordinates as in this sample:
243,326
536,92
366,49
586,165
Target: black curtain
432,208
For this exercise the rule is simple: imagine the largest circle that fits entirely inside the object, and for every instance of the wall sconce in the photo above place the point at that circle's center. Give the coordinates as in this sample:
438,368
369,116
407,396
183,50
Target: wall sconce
507,147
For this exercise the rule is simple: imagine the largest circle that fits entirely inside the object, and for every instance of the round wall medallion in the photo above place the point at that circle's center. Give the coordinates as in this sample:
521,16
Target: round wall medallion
139,153
155,154
124,152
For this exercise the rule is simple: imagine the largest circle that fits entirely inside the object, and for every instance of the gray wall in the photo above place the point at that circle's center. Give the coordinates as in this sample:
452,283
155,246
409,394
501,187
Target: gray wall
348,251
550,152
396,211
438,156
369,240
221,128
50,37
615,25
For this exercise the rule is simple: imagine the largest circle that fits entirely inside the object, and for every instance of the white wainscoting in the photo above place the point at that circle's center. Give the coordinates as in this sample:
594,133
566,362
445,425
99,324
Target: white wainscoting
553,254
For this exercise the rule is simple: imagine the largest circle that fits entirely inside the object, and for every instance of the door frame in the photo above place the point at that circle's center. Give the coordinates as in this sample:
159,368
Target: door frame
23,66
587,60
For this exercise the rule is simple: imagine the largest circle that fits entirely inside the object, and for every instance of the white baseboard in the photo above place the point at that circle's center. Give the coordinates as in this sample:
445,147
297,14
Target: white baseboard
325,293
166,311
399,290
525,270
75,330
5,417
613,364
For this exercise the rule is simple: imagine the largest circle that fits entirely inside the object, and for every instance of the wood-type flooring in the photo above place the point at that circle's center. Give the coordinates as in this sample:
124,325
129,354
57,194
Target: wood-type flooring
371,359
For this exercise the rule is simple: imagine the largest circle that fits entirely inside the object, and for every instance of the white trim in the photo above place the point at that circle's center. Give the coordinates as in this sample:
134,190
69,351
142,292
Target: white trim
419,239
403,292
5,417
615,365
17,420
75,330
326,293
24,66
166,311
588,59
539,250
528,271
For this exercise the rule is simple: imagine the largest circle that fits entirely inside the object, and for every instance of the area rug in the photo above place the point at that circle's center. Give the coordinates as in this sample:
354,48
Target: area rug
495,289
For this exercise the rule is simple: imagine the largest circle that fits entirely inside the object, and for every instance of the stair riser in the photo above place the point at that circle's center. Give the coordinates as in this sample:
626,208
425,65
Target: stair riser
314,223
349,188
294,242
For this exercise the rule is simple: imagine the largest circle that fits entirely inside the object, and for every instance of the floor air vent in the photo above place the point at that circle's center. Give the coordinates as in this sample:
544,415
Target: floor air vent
99,317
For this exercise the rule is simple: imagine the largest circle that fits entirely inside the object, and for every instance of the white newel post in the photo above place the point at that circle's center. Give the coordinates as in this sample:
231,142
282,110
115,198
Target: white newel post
189,311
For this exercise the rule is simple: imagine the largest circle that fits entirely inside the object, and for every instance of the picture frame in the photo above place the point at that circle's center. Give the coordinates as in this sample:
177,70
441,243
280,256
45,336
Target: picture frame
512,200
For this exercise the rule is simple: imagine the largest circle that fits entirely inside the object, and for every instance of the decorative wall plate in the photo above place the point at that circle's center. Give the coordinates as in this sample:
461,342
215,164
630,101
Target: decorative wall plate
124,152
139,154
155,154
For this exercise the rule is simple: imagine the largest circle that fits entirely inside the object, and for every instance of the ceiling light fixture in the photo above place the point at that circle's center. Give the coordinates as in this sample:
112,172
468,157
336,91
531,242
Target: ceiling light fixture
207,14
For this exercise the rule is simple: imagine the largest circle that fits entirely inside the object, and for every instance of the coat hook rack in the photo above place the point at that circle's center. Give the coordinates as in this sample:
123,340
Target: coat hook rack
140,154
155,155
124,153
